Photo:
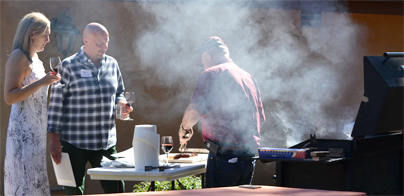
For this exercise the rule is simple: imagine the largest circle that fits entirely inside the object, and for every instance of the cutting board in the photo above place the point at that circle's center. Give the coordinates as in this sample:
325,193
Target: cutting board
197,150
199,158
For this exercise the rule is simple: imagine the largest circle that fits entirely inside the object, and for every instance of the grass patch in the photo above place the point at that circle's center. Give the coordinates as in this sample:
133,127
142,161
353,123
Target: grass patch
189,182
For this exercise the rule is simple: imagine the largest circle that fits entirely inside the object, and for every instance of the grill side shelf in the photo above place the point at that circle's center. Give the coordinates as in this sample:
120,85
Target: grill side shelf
329,161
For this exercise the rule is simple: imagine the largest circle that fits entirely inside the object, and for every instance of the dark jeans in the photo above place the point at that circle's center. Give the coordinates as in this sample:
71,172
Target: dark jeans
220,172
79,158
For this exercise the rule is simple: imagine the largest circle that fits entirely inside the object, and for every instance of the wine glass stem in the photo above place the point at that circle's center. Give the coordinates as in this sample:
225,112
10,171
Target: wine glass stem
167,159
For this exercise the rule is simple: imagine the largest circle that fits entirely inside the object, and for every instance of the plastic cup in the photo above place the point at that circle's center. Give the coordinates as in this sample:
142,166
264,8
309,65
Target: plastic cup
119,111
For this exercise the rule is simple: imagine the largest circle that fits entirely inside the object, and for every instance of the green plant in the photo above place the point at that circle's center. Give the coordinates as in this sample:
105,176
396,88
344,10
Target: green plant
189,182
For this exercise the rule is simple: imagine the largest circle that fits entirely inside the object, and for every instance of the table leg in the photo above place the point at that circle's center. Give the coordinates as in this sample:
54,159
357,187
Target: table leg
120,187
203,180
152,185
173,185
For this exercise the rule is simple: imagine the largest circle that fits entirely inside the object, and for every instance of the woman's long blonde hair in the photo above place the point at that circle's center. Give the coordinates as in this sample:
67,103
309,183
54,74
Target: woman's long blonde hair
34,22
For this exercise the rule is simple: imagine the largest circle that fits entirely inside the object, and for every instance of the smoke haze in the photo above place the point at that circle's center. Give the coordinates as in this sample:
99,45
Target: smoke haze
305,74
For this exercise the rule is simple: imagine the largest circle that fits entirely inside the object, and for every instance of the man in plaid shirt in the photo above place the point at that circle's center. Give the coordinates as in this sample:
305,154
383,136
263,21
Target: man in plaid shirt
81,117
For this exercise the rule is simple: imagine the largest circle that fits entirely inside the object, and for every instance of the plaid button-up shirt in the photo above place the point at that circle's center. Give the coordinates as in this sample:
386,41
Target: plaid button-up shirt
82,111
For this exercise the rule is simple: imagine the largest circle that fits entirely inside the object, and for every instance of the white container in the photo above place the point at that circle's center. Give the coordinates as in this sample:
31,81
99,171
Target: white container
146,144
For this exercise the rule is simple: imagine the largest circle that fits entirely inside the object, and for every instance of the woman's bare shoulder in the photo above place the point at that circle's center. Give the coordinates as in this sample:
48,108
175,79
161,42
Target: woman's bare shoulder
17,53
17,60
17,57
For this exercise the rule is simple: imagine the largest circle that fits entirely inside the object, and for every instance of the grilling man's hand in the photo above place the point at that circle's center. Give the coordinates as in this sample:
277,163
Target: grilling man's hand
185,135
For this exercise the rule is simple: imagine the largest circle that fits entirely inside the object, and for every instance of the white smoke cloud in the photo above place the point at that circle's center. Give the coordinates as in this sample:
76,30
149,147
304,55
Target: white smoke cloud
302,72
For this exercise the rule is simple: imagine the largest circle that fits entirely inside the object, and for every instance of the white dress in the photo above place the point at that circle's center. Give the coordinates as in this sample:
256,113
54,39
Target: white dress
25,170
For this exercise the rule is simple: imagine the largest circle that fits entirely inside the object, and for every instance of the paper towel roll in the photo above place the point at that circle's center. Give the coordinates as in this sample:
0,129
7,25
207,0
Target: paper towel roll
146,144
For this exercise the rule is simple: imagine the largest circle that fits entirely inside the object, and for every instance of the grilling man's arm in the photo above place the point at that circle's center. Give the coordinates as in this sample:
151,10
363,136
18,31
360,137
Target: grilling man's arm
191,116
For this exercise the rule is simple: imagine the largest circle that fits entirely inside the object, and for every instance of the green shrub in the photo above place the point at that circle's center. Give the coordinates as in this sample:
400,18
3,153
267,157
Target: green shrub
189,182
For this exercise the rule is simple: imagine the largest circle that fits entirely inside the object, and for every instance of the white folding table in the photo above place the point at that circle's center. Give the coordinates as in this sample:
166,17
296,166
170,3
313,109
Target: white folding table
185,169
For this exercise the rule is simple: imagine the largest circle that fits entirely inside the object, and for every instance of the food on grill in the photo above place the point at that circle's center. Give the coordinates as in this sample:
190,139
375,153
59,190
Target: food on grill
185,155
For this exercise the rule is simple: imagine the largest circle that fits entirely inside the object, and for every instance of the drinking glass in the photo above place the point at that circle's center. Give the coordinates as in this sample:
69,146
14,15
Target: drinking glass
130,98
55,65
119,111
167,145
120,108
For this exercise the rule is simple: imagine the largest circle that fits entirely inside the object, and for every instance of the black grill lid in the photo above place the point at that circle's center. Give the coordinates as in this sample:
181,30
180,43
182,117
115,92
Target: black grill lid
384,81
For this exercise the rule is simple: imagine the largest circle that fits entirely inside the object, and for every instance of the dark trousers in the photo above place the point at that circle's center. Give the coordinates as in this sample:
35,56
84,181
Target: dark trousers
221,173
79,158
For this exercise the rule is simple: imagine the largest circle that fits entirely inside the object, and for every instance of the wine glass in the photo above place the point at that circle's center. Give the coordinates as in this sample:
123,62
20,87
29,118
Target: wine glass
130,98
167,145
56,65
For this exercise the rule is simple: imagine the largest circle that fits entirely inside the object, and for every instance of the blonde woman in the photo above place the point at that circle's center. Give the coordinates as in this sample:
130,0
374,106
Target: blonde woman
25,88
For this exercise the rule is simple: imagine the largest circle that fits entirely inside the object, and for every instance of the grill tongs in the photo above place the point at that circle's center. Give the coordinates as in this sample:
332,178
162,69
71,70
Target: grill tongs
184,145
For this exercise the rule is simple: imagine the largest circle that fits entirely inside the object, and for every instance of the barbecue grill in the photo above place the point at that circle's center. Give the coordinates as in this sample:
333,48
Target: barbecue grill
372,161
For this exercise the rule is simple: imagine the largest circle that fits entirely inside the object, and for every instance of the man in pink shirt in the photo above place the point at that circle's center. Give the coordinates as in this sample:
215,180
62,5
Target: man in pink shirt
228,102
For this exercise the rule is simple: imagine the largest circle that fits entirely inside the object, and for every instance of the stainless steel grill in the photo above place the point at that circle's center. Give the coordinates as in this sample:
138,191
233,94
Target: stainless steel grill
373,159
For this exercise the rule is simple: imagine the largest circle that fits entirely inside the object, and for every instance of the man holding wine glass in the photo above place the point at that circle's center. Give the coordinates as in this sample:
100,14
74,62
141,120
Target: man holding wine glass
227,100
81,114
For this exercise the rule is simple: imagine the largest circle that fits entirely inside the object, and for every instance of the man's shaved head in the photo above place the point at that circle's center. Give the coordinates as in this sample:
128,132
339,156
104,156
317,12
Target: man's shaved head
95,28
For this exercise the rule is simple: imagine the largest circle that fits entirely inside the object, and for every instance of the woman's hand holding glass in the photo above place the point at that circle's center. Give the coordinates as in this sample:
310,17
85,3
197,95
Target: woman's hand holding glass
50,78
56,65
